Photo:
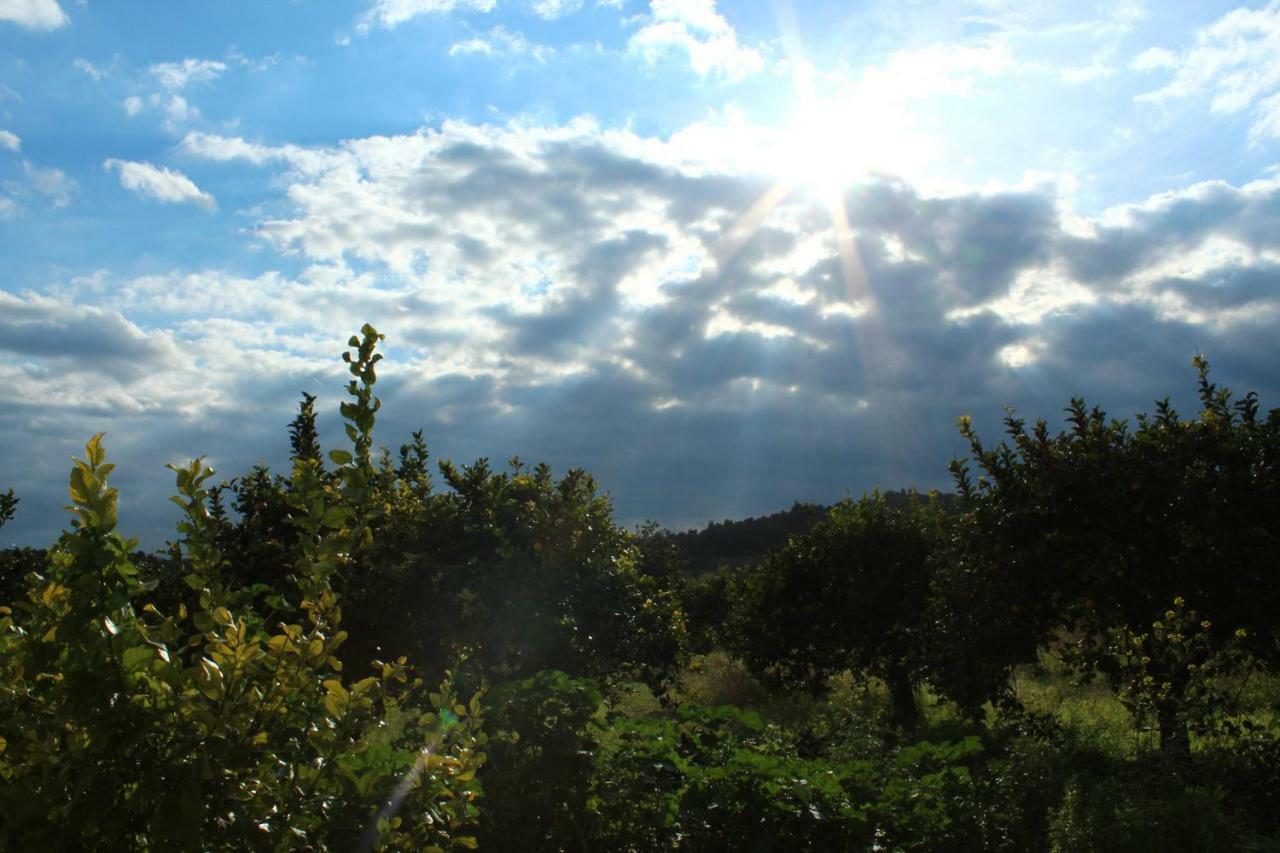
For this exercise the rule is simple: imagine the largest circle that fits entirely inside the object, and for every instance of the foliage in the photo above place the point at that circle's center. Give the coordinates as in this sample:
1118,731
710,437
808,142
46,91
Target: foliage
1245,764
203,726
8,506
304,438
1097,528
849,594
1174,674
691,781
736,543
211,698
707,602
521,573
717,679
1142,811
733,544
541,756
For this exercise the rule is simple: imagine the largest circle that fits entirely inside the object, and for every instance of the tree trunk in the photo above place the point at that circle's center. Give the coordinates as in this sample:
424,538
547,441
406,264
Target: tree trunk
903,710
1174,741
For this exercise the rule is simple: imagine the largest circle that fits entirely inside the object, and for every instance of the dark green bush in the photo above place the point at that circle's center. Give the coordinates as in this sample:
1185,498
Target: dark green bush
541,756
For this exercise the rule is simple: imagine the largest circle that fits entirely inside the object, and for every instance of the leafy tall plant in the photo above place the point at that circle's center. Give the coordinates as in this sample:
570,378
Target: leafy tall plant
203,725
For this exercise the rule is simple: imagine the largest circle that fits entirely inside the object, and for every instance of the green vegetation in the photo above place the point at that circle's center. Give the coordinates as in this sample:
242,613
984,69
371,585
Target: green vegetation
1077,652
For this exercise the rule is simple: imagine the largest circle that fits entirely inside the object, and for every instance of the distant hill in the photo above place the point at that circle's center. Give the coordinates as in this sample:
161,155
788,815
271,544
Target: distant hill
734,543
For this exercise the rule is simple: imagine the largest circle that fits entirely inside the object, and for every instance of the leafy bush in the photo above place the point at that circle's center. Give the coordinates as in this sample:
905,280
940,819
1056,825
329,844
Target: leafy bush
541,756
1146,809
1245,764
521,572
1099,527
129,725
1173,673
707,775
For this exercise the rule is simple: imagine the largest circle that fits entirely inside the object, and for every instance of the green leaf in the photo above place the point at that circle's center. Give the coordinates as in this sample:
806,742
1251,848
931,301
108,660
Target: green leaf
93,452
137,657
340,457
108,515
335,517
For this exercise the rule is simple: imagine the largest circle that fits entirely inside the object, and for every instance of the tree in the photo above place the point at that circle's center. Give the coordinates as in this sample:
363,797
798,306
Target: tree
849,594
304,439
8,506
518,571
1100,527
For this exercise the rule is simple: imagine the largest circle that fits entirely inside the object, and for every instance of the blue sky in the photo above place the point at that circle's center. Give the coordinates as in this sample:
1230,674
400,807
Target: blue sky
723,255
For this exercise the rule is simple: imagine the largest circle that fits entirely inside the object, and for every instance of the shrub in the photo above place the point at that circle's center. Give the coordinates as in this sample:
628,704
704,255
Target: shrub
130,725
541,755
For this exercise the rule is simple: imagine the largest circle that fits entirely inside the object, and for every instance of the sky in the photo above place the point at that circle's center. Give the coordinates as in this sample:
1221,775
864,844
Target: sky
723,255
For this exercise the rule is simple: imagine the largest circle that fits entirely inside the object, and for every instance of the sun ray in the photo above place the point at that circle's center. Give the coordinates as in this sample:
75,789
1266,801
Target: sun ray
737,235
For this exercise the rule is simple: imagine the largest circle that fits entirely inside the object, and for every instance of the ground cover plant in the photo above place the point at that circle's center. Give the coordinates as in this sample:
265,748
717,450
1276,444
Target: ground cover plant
1076,651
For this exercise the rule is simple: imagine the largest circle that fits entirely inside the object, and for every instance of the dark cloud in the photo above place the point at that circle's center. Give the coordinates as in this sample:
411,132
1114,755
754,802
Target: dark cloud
585,314
1177,222
80,337
1230,287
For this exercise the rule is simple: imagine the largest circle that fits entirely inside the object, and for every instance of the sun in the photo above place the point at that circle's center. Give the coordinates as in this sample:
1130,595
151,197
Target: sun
823,146
835,134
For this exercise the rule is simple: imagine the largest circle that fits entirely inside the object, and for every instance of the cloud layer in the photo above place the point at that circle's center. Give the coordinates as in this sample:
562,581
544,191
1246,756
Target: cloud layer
592,297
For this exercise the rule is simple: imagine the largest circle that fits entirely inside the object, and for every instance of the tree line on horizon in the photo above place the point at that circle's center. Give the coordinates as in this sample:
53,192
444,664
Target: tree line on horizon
354,655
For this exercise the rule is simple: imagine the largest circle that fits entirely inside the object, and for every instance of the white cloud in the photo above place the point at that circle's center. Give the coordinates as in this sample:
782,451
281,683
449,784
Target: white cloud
10,140
225,149
50,183
1267,123
33,14
177,111
159,183
501,42
1235,61
88,68
262,63
1153,59
1086,73
552,9
390,14
695,28
179,75
472,45
935,69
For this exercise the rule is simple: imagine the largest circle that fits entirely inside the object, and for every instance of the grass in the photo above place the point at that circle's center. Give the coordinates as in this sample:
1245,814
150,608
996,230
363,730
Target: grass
1090,714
